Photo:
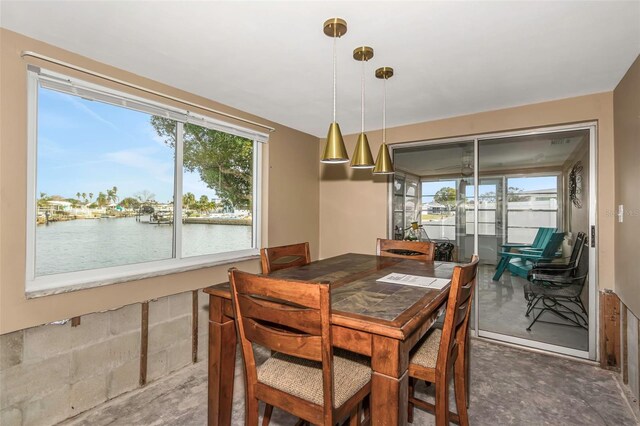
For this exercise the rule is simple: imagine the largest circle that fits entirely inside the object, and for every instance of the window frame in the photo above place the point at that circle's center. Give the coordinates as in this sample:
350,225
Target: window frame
37,286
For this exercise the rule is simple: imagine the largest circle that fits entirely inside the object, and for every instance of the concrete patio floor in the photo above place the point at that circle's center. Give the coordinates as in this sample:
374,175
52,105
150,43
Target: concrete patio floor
508,387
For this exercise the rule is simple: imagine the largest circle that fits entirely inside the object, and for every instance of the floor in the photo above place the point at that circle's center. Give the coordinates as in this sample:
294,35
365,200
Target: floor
508,387
502,308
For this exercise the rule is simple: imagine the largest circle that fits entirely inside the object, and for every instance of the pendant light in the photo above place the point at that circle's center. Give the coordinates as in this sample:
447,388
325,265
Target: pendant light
334,149
384,165
362,158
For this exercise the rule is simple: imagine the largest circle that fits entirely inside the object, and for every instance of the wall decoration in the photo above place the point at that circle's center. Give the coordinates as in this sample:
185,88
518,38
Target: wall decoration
575,185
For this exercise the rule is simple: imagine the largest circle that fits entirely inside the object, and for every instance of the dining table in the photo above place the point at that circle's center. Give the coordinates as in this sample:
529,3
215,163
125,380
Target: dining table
380,320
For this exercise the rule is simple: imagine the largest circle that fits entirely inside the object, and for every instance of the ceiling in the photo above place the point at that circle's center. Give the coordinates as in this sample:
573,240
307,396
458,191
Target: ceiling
529,152
273,60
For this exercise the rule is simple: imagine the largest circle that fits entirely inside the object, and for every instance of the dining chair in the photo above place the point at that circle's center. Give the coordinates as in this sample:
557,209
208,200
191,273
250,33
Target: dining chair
444,350
417,250
302,376
281,257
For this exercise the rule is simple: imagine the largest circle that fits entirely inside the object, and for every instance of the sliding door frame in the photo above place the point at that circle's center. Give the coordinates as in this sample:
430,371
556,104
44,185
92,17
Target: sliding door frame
592,353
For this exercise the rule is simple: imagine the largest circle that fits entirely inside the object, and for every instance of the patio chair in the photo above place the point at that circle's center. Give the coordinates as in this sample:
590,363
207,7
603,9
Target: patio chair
281,257
567,262
520,263
539,242
558,289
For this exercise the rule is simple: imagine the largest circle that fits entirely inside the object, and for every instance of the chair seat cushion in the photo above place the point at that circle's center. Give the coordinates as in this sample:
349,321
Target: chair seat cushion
426,355
303,378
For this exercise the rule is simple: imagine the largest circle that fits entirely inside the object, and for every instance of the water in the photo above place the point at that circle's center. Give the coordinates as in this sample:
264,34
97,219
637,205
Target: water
84,244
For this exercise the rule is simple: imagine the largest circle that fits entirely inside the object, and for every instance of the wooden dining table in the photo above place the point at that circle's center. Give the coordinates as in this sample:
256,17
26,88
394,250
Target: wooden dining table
377,319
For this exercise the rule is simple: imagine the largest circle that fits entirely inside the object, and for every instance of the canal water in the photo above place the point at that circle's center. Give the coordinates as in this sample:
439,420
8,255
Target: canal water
78,245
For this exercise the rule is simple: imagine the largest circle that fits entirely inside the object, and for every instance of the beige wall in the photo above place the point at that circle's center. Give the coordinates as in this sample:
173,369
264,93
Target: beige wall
353,206
626,108
290,206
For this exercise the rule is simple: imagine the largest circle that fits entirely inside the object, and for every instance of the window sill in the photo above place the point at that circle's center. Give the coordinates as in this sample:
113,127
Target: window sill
82,280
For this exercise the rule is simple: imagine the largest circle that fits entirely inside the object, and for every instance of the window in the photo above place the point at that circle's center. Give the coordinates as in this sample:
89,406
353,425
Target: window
532,202
439,200
486,209
121,187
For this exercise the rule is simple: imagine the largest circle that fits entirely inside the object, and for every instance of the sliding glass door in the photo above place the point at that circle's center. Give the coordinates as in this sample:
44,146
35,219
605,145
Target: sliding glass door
491,193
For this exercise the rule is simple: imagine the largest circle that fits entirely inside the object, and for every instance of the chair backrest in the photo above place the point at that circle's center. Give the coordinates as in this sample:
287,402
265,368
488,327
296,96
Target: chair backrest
581,270
416,250
549,250
542,237
456,320
275,258
285,316
578,245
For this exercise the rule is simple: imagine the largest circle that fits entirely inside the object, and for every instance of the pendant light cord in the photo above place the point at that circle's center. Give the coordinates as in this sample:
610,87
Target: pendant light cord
362,95
384,111
334,77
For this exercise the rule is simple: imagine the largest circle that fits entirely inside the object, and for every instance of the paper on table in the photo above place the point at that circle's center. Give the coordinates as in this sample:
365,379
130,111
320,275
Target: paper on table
415,280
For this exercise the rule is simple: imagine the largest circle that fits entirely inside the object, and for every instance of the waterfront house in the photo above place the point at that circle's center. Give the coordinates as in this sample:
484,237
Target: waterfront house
514,121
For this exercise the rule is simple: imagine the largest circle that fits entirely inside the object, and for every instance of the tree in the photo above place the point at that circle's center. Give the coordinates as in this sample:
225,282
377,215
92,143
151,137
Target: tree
78,195
145,196
188,200
84,196
513,194
130,203
112,194
102,199
223,161
91,196
446,197
42,201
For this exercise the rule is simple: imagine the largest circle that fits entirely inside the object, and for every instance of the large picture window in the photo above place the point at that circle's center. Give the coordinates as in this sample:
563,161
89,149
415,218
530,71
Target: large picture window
122,187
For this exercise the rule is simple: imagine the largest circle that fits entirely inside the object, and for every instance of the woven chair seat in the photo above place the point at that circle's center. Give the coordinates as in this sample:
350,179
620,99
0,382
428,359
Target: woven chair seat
303,378
426,355
572,290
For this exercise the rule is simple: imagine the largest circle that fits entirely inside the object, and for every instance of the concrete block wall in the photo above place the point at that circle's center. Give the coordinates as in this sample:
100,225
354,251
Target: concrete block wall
55,371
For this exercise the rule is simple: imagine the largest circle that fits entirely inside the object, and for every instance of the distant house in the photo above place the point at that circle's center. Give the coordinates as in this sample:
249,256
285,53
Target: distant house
436,208
55,205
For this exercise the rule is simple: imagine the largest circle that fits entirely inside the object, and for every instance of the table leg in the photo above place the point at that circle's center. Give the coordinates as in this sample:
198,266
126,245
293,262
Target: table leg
390,382
222,363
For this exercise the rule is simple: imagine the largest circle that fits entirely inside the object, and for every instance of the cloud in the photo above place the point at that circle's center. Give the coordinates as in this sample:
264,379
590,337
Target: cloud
142,159
81,106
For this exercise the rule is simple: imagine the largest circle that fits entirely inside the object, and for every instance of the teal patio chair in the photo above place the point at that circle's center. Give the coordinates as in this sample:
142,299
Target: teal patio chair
539,242
520,263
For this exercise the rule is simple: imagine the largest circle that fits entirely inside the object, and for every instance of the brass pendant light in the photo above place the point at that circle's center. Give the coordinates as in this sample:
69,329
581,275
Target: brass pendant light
362,158
334,149
384,165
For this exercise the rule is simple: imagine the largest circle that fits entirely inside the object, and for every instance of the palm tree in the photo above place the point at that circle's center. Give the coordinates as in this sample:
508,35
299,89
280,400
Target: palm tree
78,195
112,194
90,196
84,196
188,199
102,199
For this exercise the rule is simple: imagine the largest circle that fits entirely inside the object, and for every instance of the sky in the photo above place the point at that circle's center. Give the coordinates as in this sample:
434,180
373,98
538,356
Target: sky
88,146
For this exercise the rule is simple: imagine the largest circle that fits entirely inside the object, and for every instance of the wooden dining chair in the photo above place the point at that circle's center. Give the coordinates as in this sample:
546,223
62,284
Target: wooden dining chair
281,257
444,350
417,250
302,376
